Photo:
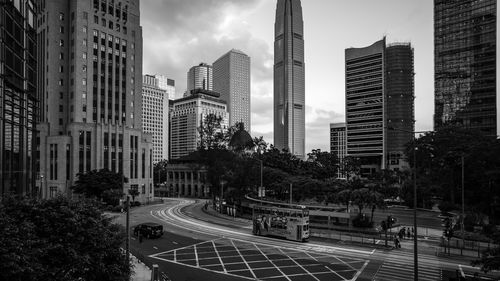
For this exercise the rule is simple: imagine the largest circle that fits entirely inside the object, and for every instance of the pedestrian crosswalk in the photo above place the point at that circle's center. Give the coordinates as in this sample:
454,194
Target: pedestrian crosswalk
398,267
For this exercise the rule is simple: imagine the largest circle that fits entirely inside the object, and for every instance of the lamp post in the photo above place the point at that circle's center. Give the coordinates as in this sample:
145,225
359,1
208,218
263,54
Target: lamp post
415,241
222,183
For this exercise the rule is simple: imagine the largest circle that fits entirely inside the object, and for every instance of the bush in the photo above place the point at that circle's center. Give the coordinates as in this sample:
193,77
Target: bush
117,209
445,207
362,221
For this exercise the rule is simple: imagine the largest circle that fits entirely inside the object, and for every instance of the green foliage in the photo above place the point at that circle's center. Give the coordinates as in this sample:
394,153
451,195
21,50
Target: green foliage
160,172
103,185
439,167
211,132
361,220
59,239
490,258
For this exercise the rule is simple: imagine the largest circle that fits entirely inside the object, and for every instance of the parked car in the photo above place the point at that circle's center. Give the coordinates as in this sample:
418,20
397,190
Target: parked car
149,230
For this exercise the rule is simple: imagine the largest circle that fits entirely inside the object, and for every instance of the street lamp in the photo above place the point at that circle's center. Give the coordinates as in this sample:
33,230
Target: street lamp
222,183
415,249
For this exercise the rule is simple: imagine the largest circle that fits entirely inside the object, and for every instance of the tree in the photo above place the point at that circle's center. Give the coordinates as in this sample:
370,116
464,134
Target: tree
103,185
160,172
211,131
490,258
59,239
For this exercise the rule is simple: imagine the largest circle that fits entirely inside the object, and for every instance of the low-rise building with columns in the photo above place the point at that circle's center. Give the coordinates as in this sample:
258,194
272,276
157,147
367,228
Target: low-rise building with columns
186,180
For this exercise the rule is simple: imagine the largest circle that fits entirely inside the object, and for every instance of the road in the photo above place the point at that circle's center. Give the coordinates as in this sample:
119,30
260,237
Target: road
197,246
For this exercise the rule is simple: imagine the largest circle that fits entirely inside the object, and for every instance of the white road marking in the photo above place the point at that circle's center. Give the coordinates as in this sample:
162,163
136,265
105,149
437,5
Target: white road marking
298,264
359,272
244,260
220,259
154,247
175,242
314,247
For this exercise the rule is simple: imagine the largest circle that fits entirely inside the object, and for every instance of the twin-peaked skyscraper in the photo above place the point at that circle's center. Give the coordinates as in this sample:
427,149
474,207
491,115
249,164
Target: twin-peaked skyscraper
289,78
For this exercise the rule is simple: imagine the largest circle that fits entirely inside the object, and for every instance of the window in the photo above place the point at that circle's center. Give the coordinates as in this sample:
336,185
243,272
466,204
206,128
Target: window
61,43
84,95
61,108
84,42
96,19
84,56
103,22
85,15
61,16
61,69
84,108
84,29
61,29
61,82
110,25
84,68
84,81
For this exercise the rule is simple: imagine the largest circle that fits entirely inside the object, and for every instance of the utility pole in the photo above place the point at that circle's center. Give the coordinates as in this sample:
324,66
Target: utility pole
463,207
127,246
415,248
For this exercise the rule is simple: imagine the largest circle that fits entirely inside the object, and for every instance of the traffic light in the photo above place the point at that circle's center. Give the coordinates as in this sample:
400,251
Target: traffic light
383,224
390,221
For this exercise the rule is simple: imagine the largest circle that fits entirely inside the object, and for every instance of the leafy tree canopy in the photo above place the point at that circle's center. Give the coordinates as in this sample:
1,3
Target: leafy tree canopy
101,184
59,239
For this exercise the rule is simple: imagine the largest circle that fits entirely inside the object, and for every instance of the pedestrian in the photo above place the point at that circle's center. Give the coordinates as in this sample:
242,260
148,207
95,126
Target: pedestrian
408,233
404,232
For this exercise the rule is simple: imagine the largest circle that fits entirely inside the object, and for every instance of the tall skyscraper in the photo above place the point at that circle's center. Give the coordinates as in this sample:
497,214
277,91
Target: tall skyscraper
18,96
90,78
232,81
200,77
155,116
289,78
186,117
168,85
379,96
465,54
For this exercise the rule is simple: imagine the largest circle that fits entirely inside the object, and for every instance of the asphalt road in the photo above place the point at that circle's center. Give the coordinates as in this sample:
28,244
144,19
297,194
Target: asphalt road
197,246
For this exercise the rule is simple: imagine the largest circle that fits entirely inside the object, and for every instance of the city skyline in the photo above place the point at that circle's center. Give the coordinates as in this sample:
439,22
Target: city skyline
248,26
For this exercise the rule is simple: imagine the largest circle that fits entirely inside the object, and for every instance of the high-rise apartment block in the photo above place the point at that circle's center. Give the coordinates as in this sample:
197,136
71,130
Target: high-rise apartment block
338,144
379,104
18,96
465,60
168,85
155,116
186,117
200,77
90,84
232,81
289,78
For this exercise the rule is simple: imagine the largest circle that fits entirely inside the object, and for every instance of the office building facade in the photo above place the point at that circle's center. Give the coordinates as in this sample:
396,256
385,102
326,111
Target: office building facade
168,85
379,96
91,83
338,144
155,116
465,60
200,77
18,96
232,81
186,117
289,78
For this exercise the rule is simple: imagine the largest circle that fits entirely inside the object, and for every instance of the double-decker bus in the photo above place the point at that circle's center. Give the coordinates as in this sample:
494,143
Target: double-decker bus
290,222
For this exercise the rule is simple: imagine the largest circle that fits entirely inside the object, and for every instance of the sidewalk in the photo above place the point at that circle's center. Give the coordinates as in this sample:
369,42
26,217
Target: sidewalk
140,272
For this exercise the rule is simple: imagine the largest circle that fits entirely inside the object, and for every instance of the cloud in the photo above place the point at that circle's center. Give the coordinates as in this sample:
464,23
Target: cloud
318,125
179,34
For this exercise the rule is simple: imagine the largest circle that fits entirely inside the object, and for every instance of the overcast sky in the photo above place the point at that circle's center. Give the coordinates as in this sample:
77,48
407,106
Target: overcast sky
181,33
